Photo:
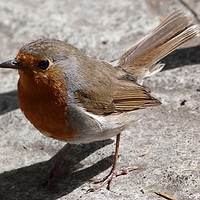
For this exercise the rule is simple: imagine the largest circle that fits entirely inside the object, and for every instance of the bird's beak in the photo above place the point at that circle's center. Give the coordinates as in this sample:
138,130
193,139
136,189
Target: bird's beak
11,64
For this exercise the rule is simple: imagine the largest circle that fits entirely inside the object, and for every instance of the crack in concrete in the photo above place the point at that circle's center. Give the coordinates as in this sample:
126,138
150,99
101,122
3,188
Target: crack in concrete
190,9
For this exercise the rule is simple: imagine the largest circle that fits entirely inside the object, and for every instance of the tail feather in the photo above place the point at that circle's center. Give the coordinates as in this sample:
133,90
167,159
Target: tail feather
140,61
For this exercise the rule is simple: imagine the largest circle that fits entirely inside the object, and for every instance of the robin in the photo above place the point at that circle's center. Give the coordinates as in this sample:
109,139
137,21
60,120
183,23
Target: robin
74,98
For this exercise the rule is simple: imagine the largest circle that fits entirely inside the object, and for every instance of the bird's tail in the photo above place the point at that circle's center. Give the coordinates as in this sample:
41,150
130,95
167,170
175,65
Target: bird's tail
140,61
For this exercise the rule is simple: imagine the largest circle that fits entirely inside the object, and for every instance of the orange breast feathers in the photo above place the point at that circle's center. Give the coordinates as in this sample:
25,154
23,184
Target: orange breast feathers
43,99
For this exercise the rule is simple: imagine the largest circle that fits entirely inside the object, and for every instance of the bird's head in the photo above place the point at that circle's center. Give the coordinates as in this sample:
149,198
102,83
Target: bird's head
41,61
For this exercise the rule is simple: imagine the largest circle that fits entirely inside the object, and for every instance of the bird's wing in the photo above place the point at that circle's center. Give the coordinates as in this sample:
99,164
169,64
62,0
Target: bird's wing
131,96
102,89
122,96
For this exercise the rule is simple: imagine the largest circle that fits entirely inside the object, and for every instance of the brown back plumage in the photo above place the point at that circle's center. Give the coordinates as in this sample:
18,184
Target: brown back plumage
140,61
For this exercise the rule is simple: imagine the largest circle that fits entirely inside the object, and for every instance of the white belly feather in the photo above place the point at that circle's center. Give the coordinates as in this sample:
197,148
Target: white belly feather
92,127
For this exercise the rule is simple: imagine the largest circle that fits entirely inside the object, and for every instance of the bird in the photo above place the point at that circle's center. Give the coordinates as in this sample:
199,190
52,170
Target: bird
75,98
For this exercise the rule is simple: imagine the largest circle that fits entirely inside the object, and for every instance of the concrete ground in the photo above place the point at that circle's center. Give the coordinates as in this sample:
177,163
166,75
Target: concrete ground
164,143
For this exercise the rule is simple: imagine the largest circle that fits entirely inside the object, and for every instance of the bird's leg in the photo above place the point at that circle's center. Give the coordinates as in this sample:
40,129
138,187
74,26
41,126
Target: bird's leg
55,170
114,172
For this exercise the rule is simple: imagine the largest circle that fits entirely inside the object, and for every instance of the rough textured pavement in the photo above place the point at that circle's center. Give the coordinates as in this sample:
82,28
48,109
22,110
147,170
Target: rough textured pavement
164,143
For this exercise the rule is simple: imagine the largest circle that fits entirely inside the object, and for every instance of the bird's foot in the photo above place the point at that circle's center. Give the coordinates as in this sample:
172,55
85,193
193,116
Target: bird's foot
109,178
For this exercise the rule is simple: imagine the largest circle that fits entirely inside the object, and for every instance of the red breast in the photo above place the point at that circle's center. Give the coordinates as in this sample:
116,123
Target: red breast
44,100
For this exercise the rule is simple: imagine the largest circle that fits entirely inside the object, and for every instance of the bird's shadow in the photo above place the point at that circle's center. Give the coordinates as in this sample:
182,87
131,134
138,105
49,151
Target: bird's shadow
27,183
8,102
182,57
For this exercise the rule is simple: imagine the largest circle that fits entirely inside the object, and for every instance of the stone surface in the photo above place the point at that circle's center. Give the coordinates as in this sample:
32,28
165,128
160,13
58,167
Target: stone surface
169,134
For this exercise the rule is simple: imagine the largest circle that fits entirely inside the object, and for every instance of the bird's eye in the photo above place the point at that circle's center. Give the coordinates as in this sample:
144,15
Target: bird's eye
43,64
